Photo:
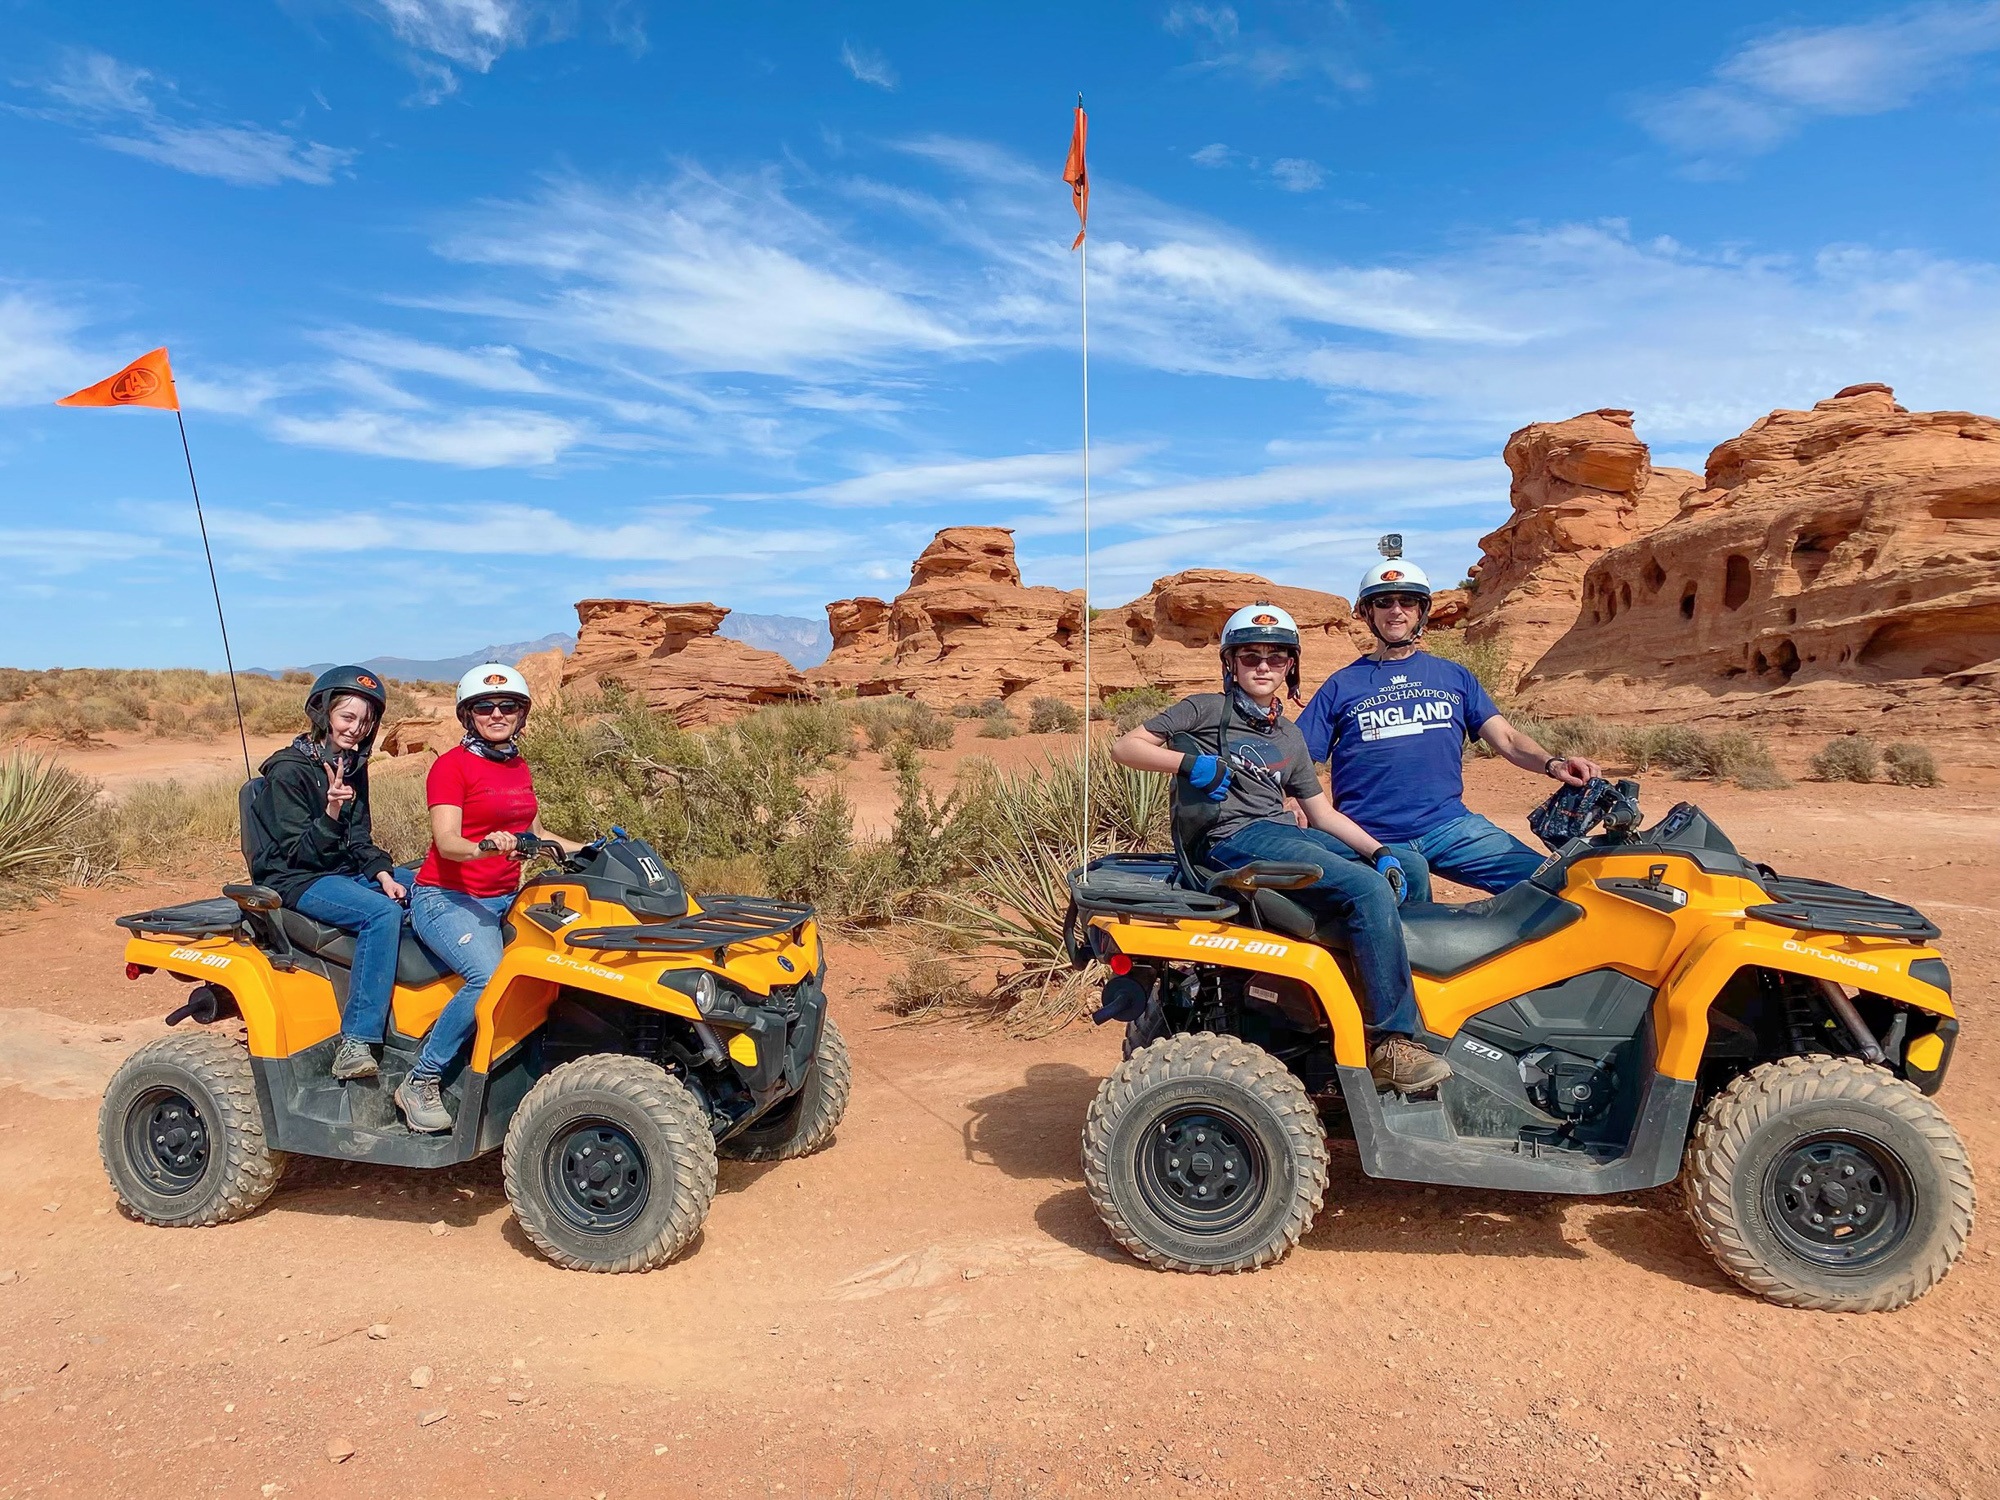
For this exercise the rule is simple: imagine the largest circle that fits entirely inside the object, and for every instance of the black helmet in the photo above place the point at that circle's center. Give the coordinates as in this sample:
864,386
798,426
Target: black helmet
359,682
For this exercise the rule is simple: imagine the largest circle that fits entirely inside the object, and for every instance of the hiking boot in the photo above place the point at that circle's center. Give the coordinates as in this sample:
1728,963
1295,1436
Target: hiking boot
354,1060
1406,1066
423,1109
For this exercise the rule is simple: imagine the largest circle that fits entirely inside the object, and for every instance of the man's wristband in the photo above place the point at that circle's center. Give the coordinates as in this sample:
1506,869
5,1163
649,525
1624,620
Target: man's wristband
1549,765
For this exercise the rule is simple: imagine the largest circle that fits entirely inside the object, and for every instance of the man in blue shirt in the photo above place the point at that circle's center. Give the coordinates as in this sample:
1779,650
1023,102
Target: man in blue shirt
1393,726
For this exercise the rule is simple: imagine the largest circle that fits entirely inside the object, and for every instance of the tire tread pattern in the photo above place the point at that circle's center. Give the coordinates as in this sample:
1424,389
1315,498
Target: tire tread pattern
1724,1133
820,1112
250,1169
666,1101
1204,1054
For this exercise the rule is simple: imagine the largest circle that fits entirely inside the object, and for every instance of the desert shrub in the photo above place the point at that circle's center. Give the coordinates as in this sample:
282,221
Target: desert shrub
1131,707
811,860
812,733
1580,735
400,816
966,710
1847,757
996,722
881,719
1485,660
1733,755
1053,716
927,729
157,823
1911,765
53,829
924,985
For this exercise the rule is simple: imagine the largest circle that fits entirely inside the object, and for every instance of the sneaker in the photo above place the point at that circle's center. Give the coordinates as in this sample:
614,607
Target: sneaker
1406,1066
422,1106
354,1060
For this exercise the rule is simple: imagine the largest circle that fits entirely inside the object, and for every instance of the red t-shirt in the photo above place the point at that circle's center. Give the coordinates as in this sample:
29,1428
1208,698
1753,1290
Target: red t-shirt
492,795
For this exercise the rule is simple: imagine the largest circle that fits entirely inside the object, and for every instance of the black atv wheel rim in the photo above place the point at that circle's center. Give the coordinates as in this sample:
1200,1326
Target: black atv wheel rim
1839,1200
1202,1169
167,1140
597,1176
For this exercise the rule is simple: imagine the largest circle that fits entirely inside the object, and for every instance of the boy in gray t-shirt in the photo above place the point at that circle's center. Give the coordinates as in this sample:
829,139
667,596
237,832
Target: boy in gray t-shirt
1249,760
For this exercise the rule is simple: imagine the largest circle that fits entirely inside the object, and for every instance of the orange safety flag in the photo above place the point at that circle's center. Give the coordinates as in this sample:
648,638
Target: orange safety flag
1076,177
147,381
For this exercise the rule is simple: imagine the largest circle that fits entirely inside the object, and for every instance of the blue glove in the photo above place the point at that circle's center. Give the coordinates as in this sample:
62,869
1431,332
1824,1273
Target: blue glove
1390,869
1207,774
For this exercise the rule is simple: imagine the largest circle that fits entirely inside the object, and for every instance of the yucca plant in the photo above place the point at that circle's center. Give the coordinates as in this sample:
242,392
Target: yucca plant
1018,893
52,829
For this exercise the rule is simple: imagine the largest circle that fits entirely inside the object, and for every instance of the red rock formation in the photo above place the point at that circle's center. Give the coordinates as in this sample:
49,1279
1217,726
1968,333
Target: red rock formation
965,630
543,671
1840,569
671,656
416,733
1170,636
1580,488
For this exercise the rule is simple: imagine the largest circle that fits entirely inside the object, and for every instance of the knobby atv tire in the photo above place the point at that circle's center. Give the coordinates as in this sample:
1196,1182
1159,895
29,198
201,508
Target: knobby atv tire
658,1114
212,1073
1747,1128
1179,1073
805,1122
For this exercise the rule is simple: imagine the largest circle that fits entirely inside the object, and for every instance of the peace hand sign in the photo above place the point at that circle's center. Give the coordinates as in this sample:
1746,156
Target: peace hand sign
338,792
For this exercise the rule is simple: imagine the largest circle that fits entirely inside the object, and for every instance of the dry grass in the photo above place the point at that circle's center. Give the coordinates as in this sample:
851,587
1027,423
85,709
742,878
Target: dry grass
76,705
1849,757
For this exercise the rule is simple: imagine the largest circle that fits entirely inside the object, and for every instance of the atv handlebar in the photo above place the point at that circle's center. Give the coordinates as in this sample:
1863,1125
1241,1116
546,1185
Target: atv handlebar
526,846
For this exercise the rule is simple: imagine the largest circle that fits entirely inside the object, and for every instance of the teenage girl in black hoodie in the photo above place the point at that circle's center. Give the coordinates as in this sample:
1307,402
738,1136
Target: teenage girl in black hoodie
317,851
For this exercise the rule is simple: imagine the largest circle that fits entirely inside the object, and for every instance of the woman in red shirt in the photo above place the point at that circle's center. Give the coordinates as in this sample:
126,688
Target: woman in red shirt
480,789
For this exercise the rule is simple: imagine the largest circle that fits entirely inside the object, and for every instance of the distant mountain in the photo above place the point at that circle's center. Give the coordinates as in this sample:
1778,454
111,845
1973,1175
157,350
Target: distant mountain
445,668
803,643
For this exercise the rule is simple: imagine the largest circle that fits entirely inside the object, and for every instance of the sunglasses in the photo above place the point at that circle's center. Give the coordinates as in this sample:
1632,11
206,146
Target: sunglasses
1390,601
495,705
1254,659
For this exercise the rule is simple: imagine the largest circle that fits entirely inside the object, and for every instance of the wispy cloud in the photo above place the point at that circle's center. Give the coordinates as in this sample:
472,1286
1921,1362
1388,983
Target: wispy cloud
1023,476
485,439
38,355
445,37
1766,91
1269,56
1297,174
868,65
1213,155
117,104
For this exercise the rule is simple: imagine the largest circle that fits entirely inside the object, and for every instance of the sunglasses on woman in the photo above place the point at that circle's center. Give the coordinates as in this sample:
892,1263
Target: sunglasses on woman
495,705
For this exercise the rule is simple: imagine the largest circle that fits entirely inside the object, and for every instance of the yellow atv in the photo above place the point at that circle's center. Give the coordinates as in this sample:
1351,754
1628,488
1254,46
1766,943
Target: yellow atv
1650,1003
629,1036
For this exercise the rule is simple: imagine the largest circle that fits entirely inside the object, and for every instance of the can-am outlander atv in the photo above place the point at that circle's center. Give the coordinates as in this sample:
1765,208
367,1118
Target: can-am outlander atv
629,1035
1651,1003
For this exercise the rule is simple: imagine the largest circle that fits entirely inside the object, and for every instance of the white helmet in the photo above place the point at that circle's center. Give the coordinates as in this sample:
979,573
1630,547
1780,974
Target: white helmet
1393,575
1260,625
492,679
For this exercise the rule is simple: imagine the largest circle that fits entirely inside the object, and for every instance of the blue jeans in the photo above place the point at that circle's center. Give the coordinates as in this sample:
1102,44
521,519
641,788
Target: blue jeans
464,932
1477,852
1349,893
356,904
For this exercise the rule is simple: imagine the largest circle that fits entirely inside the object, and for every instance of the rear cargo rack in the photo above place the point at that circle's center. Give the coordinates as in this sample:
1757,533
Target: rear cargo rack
218,916
721,923
1821,906
1142,885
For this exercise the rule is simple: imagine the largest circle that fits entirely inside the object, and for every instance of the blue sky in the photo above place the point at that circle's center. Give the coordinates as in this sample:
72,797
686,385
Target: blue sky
483,306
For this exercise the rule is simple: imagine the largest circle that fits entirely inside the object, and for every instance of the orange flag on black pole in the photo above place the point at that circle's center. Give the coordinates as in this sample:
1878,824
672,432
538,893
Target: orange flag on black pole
147,381
1076,177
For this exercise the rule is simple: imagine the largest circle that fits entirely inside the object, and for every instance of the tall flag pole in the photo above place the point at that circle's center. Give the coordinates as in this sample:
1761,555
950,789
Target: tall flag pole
1075,174
149,381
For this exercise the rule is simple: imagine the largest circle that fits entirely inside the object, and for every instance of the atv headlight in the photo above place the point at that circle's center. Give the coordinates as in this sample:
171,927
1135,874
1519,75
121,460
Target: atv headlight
709,995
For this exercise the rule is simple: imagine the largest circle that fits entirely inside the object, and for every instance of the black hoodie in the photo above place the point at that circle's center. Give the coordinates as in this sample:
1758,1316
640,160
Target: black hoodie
296,841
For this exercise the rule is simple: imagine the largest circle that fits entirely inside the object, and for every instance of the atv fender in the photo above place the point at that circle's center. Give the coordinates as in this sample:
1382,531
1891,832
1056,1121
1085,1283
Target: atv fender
1224,946
310,1013
1680,1012
529,979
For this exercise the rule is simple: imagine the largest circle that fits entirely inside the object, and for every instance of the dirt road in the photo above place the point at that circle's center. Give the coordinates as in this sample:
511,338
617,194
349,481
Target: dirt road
930,1308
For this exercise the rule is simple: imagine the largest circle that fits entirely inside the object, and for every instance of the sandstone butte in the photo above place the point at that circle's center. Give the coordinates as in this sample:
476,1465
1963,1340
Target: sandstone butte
1579,489
672,658
1838,569
967,629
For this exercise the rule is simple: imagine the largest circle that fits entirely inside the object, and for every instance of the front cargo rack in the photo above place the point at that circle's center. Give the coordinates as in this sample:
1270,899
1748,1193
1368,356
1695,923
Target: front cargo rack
723,922
1821,906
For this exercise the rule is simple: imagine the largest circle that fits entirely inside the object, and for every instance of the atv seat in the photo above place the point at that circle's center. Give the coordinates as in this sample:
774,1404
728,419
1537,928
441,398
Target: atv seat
415,964
1445,941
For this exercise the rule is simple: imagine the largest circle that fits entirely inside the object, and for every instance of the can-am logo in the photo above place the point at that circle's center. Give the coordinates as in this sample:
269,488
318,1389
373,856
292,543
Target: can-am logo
196,956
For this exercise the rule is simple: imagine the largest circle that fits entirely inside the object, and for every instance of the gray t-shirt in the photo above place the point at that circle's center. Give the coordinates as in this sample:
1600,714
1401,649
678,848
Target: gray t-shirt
1278,747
